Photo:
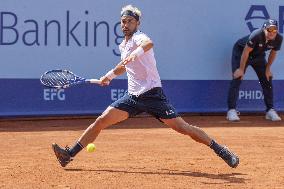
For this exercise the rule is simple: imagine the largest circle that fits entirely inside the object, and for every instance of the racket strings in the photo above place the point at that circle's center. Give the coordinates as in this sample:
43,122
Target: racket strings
58,79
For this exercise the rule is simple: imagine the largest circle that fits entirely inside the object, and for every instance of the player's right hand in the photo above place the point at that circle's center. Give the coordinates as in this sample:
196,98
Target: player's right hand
238,74
105,81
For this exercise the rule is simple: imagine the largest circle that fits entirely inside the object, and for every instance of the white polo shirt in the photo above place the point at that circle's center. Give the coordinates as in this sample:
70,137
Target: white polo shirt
142,73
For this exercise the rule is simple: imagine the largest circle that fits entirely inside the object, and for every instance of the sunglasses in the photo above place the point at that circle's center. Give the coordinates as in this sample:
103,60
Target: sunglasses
272,29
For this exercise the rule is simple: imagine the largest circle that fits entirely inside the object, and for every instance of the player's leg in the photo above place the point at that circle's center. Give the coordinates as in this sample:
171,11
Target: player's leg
197,134
109,117
178,124
157,104
117,112
259,67
233,94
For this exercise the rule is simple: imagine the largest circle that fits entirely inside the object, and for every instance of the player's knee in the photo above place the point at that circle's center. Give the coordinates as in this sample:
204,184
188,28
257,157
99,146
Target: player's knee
100,123
190,129
181,128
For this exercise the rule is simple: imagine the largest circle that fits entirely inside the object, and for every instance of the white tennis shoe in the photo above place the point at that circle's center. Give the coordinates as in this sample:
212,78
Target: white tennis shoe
232,115
272,115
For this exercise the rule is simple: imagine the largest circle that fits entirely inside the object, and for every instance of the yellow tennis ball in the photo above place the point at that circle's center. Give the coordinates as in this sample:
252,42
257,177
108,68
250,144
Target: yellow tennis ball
91,147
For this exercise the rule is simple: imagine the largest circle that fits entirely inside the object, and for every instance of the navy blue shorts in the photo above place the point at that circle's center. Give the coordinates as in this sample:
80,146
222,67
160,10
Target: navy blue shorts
154,102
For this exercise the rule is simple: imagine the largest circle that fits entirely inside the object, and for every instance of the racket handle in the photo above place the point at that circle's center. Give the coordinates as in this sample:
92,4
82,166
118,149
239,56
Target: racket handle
96,81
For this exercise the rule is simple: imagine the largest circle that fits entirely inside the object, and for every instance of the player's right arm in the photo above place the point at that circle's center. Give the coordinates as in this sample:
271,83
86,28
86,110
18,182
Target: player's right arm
118,70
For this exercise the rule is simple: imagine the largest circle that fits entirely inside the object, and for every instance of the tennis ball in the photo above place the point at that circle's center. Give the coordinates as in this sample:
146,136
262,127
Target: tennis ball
91,147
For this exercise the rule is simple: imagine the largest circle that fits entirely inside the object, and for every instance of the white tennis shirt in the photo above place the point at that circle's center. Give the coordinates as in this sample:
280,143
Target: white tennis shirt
142,73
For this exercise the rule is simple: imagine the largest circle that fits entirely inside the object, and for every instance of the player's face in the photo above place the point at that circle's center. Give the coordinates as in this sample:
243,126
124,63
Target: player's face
128,25
271,32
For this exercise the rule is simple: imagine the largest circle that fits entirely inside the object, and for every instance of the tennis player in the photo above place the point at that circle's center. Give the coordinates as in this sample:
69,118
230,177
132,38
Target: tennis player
145,94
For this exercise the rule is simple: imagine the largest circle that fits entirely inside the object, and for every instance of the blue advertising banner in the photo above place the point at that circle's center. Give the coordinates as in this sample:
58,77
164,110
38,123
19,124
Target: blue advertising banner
27,97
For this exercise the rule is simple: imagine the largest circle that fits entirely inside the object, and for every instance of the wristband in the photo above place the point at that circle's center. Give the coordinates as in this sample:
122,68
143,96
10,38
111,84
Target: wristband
138,51
111,75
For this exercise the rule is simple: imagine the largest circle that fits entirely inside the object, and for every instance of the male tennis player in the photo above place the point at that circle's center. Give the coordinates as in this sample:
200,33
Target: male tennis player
250,50
144,94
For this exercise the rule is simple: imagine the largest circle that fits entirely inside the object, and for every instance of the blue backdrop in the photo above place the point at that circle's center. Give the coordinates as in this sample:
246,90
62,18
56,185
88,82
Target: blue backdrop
26,97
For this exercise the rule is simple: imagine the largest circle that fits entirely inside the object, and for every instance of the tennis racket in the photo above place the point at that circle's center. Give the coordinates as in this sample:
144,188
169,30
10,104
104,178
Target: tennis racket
63,78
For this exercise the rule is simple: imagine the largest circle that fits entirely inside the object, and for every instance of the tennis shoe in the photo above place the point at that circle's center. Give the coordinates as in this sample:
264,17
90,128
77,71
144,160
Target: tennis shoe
233,115
62,154
229,157
272,115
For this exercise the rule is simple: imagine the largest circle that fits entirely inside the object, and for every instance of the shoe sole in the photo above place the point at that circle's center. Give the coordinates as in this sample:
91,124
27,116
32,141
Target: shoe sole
54,146
237,162
236,120
268,118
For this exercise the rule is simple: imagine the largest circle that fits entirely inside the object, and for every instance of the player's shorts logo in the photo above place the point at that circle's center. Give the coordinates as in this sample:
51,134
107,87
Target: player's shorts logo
170,112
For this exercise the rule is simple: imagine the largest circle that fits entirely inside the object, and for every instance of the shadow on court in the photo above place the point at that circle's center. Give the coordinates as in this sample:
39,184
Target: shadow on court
226,178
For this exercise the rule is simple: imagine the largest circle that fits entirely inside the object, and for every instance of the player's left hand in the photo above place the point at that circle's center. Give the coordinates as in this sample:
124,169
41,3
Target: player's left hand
129,59
268,74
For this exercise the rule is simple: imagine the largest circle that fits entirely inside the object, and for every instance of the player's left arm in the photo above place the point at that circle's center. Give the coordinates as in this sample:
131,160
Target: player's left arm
145,45
141,49
271,58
